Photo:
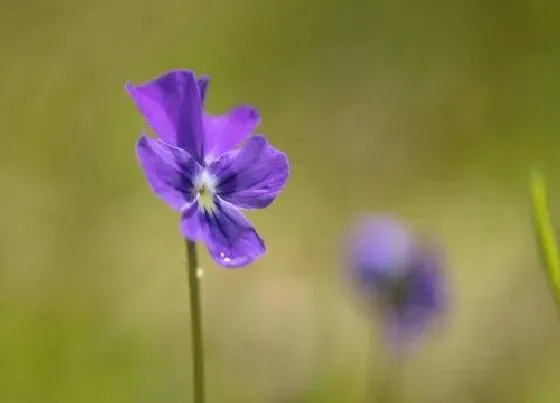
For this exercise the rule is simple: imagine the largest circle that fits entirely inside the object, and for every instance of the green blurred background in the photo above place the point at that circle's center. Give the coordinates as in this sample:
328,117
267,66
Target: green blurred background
433,110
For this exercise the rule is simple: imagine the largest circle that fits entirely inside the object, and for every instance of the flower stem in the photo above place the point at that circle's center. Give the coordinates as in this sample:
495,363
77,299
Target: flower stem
196,323
388,389
385,375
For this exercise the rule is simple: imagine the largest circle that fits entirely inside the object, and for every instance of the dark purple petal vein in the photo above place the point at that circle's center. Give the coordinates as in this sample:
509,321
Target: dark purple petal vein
230,238
192,221
169,170
252,176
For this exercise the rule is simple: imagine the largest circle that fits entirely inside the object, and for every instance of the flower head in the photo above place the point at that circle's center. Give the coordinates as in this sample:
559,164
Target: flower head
400,275
194,166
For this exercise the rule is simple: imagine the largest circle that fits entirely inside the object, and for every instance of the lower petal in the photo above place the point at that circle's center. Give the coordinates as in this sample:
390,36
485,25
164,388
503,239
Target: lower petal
428,286
230,238
192,221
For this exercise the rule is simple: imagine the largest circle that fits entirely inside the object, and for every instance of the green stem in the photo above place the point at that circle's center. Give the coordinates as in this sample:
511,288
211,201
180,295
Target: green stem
545,234
389,385
196,323
385,374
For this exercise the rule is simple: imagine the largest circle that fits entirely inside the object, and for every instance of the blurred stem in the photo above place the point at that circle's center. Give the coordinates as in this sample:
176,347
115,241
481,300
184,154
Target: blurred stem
196,323
546,237
388,391
387,376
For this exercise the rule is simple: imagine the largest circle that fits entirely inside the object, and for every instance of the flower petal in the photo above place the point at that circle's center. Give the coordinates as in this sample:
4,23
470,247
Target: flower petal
428,286
223,133
169,170
172,107
426,298
252,176
380,243
230,238
192,221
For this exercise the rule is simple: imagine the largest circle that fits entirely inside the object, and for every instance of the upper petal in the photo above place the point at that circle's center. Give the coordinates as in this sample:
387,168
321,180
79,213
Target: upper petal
225,132
378,248
230,238
252,176
169,170
172,107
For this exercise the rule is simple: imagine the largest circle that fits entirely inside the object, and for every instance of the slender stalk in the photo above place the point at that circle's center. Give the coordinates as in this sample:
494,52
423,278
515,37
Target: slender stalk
389,383
196,323
546,237
385,374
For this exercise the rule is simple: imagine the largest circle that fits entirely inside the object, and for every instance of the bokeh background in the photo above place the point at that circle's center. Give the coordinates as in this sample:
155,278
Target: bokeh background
432,110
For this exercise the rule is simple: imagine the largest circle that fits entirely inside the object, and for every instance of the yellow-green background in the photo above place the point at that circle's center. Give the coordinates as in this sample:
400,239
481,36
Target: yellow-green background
433,110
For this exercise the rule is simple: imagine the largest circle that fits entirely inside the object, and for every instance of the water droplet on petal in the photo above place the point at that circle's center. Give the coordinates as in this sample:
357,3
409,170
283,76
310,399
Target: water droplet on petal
224,257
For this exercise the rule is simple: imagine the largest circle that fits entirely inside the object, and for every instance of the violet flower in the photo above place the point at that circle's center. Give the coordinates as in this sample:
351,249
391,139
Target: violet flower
194,167
398,274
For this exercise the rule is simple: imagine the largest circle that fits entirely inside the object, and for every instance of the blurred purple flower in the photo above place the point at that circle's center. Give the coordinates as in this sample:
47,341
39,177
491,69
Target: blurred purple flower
194,167
402,276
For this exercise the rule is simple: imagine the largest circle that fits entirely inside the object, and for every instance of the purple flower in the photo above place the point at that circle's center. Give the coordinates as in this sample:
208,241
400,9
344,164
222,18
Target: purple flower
399,274
194,165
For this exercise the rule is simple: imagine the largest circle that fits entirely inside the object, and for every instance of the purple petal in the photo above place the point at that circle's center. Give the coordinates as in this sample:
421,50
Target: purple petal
406,321
421,307
230,238
192,222
424,301
169,170
172,107
420,303
379,247
225,132
252,176
428,286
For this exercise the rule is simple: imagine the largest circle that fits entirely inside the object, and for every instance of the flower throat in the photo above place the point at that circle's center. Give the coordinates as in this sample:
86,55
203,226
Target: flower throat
204,189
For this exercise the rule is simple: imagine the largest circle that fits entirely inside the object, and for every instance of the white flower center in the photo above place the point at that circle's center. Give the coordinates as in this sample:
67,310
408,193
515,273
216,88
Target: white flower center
204,189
